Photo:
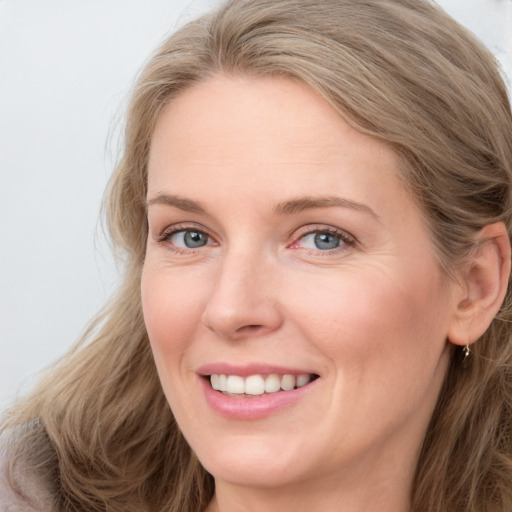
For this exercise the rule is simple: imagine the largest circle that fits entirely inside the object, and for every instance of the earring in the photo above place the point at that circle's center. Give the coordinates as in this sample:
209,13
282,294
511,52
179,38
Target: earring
466,351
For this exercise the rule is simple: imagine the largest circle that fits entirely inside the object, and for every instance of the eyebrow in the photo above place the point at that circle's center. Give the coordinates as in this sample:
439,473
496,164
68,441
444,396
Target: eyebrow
182,203
306,203
284,208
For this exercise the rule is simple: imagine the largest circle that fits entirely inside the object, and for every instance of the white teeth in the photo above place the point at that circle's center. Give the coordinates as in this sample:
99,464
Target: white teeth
302,380
272,383
288,382
214,380
235,384
258,384
254,385
223,383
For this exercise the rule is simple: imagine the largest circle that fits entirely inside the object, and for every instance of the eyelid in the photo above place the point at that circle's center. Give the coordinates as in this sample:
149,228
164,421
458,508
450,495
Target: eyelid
171,230
345,236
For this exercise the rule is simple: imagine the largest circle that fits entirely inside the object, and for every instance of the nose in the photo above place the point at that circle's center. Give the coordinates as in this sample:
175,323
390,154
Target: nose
243,302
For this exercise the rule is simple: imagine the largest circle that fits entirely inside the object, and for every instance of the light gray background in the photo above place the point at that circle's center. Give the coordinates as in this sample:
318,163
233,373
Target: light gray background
66,67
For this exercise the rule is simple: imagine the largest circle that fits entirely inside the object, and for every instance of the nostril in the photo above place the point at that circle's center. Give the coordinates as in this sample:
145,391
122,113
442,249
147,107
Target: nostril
249,328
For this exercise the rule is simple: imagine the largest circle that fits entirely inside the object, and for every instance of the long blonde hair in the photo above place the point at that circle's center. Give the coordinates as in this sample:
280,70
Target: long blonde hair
398,70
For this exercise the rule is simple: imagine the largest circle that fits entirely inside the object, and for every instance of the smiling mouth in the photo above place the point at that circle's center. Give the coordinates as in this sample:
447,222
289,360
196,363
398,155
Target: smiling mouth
257,385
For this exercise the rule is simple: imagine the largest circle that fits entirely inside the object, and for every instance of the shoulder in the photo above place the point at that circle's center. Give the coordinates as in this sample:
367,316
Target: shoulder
33,494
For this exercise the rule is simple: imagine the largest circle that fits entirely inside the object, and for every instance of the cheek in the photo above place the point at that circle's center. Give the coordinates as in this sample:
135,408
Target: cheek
172,308
376,323
386,349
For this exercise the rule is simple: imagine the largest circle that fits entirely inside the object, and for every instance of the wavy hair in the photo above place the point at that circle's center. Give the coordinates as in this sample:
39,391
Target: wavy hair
402,71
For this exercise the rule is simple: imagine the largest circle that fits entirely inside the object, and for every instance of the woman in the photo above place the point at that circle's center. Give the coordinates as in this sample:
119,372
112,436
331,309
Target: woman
314,204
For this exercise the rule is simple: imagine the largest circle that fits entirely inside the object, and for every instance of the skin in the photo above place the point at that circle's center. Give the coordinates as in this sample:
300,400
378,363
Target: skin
370,317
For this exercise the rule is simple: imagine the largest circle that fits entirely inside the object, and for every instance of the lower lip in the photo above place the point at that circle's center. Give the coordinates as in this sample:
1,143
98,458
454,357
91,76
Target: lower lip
252,408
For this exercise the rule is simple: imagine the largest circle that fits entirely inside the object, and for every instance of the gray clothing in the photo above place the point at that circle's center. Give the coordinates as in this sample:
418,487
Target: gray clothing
32,485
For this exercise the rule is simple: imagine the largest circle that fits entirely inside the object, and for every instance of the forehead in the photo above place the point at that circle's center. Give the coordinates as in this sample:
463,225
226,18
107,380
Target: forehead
265,136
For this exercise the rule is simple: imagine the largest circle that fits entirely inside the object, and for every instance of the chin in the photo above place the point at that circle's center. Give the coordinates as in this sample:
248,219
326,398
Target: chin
251,464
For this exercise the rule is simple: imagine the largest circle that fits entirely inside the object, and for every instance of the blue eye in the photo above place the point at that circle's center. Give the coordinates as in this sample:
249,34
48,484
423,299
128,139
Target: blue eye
321,240
326,241
189,239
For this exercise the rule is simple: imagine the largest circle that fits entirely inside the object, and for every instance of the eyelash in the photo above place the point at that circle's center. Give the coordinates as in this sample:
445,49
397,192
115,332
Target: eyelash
346,239
180,228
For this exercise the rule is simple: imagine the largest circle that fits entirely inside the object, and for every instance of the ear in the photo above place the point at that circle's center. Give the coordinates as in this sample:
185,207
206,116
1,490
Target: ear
483,284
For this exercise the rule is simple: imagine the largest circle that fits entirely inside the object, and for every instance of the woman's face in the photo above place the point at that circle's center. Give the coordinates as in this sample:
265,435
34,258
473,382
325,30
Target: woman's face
284,253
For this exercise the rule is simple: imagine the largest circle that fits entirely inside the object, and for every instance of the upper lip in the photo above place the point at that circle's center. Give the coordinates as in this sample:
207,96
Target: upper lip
250,369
